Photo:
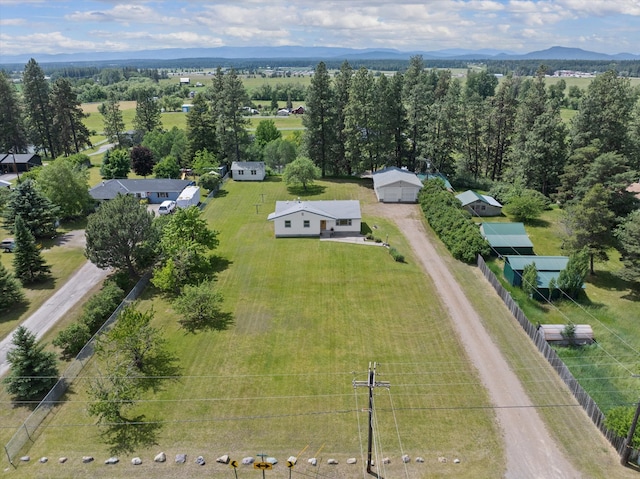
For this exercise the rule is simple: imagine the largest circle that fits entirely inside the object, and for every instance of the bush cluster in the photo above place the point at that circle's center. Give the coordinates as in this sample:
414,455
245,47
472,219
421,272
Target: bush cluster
451,222
96,311
396,255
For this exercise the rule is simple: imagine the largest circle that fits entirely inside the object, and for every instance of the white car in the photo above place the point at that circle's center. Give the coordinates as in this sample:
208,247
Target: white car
167,207
8,245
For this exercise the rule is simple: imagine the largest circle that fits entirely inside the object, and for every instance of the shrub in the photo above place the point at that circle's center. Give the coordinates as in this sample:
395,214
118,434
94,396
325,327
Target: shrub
396,255
72,339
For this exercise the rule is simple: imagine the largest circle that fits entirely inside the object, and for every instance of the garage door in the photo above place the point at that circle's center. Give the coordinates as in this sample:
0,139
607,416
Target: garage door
408,195
392,195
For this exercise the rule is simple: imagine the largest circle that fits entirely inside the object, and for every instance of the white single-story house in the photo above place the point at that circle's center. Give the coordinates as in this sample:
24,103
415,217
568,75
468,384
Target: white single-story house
248,170
395,185
315,218
479,205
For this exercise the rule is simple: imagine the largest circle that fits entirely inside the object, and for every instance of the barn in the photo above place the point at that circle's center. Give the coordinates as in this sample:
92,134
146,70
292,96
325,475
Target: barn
395,185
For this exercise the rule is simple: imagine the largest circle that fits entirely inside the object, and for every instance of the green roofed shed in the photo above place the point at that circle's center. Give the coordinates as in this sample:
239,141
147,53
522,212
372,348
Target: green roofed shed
549,268
507,238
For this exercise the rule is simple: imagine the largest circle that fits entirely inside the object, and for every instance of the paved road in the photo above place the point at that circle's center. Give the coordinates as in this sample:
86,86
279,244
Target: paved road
56,306
530,450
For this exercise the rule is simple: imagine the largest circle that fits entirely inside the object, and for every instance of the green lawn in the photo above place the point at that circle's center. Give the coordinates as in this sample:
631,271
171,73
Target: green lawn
306,316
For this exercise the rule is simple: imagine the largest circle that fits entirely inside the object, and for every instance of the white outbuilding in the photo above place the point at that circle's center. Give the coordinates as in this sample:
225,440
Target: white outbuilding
248,170
396,185
316,218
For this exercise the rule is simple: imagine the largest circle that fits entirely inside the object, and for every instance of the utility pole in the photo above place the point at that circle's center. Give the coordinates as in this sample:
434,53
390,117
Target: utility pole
626,451
371,383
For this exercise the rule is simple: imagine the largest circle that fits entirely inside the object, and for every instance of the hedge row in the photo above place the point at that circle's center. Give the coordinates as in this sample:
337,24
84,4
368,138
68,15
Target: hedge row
451,222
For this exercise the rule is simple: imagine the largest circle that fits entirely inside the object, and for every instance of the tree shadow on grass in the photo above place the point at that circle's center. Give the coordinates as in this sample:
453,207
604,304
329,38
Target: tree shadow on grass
131,434
312,190
218,264
537,223
608,281
157,369
219,322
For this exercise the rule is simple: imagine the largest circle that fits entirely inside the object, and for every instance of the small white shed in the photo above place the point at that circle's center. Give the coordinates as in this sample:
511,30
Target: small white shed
248,170
316,218
395,185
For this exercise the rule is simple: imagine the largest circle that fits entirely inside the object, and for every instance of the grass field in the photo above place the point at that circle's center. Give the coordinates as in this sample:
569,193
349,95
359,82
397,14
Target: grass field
308,317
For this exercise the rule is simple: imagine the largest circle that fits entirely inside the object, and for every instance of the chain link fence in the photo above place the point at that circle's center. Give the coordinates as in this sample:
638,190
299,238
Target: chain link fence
27,430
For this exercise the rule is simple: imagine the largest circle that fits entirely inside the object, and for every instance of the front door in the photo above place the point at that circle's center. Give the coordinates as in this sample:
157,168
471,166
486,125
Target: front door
323,225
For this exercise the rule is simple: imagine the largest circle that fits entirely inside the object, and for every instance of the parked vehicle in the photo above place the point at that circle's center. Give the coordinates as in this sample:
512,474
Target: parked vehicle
167,207
8,245
190,196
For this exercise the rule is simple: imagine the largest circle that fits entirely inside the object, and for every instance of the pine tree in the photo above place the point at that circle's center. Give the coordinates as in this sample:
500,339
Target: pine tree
319,121
71,133
38,108
10,289
37,211
201,128
33,370
13,134
232,125
359,122
147,111
417,96
28,264
341,85
112,120
628,235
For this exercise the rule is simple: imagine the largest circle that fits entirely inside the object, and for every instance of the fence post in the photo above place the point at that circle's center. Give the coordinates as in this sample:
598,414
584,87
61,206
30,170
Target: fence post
6,451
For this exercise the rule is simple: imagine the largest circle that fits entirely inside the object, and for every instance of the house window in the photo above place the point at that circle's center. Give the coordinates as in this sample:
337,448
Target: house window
343,222
254,172
163,195
287,223
241,172
306,223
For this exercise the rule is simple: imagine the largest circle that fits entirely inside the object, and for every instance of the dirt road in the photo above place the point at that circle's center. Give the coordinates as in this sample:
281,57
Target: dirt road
530,450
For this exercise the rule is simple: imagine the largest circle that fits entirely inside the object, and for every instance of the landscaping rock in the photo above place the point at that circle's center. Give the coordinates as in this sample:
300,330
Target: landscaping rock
62,460
25,458
200,461
247,461
386,460
352,460
223,459
292,459
313,461
456,461
112,460
332,462
442,459
136,461
44,460
419,459
161,457
87,459
271,460
406,458
181,458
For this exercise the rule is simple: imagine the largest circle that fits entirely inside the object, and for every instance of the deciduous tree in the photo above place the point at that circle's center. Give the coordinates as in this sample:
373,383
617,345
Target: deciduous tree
167,167
67,187
142,160
266,131
301,171
199,306
571,279
116,163
120,235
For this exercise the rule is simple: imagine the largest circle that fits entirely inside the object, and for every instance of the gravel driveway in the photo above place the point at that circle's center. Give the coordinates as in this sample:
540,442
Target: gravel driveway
530,450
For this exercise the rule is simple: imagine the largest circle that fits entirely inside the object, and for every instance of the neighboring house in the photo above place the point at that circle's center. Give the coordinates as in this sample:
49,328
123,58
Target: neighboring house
316,218
248,170
184,81
155,190
18,162
549,268
283,112
507,238
298,111
479,205
395,185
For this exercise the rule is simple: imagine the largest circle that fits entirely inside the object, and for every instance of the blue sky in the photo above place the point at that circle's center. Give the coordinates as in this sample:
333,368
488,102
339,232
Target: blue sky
70,26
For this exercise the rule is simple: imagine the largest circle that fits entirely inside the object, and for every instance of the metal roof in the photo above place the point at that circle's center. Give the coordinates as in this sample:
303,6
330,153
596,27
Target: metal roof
392,174
334,209
543,263
470,196
247,165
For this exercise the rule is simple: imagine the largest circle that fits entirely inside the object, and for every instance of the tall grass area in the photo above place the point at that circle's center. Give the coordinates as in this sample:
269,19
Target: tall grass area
308,317
604,369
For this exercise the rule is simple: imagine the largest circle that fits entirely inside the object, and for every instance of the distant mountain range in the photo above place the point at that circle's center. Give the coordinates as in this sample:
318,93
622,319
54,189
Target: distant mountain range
328,53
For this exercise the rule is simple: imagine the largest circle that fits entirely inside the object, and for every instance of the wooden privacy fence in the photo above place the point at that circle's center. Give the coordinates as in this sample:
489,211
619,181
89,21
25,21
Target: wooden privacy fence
28,428
587,403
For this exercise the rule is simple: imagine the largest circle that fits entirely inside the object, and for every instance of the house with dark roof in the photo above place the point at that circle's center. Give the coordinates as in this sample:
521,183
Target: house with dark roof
395,185
18,162
479,205
316,218
155,190
507,238
548,267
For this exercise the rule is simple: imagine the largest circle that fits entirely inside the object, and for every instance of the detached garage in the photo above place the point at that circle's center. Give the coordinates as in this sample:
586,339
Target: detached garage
395,185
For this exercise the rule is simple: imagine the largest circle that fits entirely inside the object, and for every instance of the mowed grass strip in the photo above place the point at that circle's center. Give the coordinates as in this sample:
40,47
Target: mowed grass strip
308,317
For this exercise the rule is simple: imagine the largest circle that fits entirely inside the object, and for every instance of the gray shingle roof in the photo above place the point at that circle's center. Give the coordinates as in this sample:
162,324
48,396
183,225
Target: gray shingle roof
334,209
109,189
